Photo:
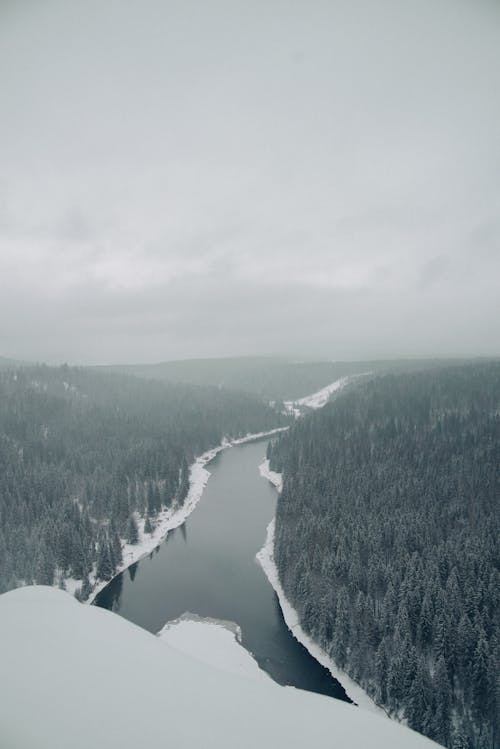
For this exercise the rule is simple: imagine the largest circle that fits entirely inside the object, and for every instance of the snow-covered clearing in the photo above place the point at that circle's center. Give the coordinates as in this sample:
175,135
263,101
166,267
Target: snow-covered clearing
172,518
318,399
321,397
80,676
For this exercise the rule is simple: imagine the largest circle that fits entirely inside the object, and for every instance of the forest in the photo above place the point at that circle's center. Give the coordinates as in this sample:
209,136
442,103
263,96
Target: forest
270,377
387,544
83,454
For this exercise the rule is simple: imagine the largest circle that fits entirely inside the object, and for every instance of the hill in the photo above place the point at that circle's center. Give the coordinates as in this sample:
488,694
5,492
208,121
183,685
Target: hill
386,543
79,676
271,378
87,457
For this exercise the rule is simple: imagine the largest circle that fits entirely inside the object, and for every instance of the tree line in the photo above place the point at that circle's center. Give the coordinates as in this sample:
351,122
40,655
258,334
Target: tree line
270,377
387,543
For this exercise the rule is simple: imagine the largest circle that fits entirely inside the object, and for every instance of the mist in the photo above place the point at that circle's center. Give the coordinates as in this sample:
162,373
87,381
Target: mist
183,179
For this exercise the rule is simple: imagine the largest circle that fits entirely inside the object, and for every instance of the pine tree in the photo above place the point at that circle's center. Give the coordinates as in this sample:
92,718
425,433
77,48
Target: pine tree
105,567
465,646
341,631
442,711
116,546
424,626
460,740
480,685
418,698
132,531
381,670
86,589
45,566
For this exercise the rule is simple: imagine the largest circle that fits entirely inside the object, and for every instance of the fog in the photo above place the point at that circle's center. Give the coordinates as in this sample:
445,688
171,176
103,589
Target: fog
185,179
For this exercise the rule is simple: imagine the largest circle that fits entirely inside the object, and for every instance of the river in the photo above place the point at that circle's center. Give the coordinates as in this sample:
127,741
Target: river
208,567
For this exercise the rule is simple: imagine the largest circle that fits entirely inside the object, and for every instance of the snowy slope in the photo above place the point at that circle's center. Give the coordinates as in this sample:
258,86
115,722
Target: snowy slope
79,676
321,397
318,399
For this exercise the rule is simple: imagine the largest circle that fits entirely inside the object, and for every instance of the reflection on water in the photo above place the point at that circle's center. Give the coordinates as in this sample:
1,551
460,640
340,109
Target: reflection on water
113,594
213,572
132,570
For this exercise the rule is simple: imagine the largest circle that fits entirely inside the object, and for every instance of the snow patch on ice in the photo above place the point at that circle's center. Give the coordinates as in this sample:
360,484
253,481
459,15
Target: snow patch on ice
214,642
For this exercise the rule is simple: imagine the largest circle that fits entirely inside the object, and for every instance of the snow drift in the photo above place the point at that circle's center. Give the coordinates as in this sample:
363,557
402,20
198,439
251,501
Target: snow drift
79,676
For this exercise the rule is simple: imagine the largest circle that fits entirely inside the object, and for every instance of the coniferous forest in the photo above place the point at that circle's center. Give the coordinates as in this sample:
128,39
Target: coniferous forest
83,454
387,543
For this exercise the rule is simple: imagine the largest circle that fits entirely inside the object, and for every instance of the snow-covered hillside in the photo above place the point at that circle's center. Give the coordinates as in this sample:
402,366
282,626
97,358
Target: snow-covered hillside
79,676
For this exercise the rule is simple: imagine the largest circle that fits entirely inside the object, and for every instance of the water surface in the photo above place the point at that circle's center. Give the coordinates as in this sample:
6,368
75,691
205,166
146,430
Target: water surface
208,567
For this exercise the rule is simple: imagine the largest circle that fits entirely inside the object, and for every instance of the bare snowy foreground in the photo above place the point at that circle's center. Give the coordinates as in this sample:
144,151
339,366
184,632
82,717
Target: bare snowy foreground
79,676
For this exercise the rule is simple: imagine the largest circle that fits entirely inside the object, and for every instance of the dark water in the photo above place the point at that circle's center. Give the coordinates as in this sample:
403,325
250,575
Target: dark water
208,567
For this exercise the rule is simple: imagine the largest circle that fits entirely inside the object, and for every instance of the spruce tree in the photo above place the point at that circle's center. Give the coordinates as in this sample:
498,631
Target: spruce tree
132,531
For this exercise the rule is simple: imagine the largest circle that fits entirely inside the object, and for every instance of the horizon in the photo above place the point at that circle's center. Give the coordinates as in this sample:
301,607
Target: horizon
287,359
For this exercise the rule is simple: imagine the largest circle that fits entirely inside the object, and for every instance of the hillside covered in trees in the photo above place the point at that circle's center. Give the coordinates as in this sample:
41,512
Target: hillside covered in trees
387,543
270,377
81,453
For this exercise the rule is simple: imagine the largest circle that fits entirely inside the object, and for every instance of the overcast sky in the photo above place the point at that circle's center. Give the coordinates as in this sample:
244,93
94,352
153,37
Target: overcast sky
183,179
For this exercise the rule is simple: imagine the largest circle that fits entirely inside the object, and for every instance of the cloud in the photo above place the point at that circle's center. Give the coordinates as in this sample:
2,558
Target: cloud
179,180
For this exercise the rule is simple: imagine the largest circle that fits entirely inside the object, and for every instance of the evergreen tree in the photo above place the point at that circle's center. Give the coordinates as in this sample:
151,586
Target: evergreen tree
105,567
480,681
442,692
45,566
132,531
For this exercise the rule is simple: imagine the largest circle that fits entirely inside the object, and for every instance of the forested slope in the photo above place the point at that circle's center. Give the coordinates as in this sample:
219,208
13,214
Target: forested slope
387,543
81,452
273,378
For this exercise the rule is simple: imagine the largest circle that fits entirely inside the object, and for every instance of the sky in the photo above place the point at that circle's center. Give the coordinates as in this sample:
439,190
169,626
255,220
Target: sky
217,178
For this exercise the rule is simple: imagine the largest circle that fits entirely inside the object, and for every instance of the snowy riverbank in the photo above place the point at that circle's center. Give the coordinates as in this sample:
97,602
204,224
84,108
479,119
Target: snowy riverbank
265,558
170,519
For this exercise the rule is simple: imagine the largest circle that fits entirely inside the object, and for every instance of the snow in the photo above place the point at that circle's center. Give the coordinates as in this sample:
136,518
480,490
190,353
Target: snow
316,400
171,518
275,478
321,397
212,641
80,676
